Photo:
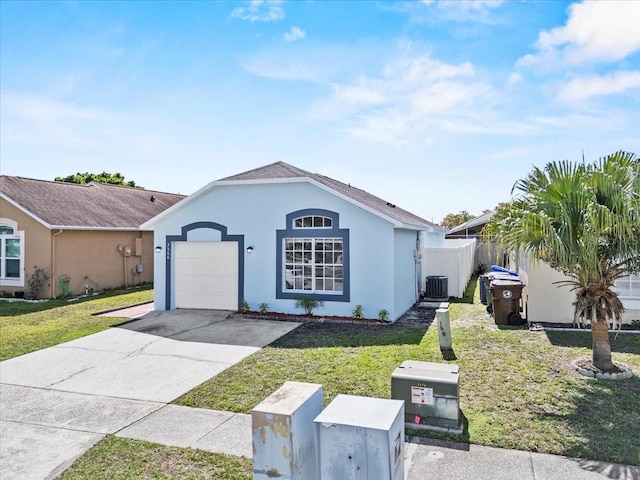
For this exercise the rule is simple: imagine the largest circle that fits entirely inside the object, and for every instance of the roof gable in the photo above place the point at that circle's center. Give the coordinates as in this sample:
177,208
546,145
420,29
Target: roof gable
281,171
88,206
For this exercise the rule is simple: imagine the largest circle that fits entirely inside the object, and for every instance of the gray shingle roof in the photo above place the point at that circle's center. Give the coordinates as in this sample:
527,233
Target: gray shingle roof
94,205
284,170
478,221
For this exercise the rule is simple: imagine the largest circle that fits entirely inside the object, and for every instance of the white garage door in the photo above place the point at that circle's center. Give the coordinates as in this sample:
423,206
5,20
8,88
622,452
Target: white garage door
206,275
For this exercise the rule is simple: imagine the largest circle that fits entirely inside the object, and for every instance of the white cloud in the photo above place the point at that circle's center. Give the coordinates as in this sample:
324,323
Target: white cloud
586,87
596,31
463,11
514,79
40,109
408,97
260,11
294,34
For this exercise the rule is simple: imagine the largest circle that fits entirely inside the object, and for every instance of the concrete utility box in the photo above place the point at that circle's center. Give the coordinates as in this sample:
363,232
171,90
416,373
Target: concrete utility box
284,444
430,393
361,438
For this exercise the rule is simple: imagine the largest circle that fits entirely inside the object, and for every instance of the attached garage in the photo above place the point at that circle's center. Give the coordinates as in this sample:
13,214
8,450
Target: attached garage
206,275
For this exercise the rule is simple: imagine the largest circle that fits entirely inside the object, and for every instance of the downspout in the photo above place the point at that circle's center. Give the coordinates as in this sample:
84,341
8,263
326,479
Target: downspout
52,284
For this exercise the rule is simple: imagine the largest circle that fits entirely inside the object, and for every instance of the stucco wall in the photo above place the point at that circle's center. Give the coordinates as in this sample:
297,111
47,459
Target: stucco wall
548,302
405,268
257,211
37,246
92,258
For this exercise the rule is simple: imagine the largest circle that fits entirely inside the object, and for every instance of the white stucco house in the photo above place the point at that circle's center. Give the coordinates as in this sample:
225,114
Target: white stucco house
278,233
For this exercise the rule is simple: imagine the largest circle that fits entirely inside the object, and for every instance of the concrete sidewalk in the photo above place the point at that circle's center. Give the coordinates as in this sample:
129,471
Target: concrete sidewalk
57,402
230,433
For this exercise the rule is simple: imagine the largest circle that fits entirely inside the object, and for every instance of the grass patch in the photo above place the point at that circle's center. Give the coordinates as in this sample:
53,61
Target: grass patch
26,327
517,388
115,458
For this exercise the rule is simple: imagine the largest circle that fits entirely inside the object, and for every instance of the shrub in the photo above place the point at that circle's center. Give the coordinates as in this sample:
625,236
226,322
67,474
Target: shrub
64,285
357,312
36,282
245,306
383,315
264,308
309,304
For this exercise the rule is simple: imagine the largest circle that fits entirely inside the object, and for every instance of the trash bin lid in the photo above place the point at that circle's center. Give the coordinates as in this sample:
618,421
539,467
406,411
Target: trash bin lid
503,282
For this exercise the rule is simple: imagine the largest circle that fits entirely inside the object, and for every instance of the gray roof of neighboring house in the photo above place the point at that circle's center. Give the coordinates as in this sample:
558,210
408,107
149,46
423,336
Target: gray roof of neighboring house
91,206
474,222
281,170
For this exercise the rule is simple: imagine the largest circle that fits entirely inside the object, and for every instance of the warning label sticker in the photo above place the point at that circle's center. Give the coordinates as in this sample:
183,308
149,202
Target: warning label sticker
422,395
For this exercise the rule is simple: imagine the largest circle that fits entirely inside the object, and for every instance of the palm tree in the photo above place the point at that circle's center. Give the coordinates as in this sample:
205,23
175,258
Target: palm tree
584,221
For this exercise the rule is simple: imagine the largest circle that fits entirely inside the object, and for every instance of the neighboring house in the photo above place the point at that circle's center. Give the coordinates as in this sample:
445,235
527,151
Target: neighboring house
486,254
82,236
472,228
278,233
547,302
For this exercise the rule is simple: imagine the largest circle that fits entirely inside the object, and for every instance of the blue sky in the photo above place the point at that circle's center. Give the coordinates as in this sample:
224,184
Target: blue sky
435,106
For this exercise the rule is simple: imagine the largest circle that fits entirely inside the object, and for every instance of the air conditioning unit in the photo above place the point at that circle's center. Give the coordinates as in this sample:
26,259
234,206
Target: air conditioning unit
437,288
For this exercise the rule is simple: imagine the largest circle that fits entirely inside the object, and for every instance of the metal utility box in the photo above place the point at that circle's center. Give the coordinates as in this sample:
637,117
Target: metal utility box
430,393
284,444
361,438
505,296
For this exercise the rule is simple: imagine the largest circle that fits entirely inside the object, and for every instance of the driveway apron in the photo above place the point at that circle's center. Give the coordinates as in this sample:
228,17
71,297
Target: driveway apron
57,402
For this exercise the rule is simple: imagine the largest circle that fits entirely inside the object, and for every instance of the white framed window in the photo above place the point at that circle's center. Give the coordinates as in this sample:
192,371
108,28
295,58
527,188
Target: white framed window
312,221
11,254
313,265
628,289
312,257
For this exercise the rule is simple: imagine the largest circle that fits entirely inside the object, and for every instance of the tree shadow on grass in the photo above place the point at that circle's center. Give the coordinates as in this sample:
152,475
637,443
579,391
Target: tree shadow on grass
621,343
17,308
603,418
322,335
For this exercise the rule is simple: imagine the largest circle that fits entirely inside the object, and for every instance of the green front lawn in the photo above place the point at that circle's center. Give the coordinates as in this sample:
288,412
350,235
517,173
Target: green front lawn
25,326
517,388
115,458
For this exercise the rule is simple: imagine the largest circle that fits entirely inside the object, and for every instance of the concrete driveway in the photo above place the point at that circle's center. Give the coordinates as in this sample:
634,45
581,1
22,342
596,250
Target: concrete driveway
57,402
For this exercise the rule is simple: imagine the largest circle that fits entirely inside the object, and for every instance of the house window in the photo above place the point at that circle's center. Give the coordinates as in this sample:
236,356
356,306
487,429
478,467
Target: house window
629,287
11,254
629,290
313,264
312,221
313,257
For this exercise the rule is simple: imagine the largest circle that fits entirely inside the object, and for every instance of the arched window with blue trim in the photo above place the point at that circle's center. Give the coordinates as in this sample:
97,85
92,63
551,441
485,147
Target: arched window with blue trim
313,257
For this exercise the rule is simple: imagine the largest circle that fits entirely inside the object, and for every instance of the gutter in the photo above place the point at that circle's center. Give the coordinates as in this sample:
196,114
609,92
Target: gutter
52,283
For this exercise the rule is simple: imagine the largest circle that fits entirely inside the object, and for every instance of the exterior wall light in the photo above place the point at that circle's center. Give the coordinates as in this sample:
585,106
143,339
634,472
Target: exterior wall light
158,249
249,250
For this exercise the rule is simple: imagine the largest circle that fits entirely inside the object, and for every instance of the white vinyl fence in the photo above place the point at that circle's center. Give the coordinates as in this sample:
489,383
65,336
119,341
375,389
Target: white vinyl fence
454,260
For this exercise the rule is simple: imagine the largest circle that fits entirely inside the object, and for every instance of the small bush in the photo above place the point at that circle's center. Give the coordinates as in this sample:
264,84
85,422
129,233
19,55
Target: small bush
64,285
264,308
36,282
245,306
357,312
383,315
309,304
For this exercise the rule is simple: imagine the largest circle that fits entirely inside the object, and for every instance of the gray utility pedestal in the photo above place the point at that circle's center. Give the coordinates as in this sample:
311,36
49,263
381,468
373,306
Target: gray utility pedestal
284,443
361,438
430,393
